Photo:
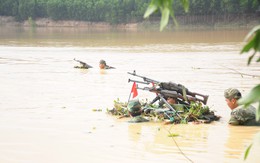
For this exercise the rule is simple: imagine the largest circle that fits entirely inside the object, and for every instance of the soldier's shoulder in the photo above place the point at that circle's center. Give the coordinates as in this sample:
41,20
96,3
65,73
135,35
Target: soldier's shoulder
249,109
109,67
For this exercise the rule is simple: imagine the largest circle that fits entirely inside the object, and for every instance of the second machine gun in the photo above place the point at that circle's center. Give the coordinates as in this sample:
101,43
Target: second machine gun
169,89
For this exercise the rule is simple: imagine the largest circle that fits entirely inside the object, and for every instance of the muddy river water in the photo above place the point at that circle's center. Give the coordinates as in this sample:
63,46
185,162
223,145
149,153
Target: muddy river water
46,105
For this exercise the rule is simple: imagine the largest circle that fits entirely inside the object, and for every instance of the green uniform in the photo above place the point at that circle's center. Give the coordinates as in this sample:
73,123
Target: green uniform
106,66
244,116
135,109
138,119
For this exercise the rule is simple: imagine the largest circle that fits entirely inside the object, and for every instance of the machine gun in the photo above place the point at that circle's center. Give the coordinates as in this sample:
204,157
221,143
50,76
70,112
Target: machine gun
82,64
170,88
145,79
169,93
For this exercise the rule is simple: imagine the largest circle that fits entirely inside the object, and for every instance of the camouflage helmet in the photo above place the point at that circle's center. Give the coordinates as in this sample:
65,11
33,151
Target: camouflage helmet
231,93
134,107
102,62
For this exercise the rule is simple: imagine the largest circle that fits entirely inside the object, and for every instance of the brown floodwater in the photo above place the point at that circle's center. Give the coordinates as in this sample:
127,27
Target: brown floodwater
46,106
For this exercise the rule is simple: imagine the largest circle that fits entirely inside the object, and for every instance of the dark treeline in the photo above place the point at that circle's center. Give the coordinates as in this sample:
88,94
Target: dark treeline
117,11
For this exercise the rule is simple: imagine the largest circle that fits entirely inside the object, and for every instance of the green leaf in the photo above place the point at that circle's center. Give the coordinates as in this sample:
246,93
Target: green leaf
257,117
151,9
257,41
252,97
248,46
247,151
250,58
254,30
164,18
166,9
254,43
173,135
173,17
185,4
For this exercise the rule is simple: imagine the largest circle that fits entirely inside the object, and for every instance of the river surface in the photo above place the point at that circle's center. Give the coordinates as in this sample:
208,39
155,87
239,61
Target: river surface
46,105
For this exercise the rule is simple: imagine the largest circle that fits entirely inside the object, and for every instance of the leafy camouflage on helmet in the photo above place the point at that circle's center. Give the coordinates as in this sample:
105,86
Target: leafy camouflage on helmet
134,106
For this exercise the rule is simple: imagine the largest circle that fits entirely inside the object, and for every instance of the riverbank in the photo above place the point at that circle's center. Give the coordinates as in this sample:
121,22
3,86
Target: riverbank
196,22
46,22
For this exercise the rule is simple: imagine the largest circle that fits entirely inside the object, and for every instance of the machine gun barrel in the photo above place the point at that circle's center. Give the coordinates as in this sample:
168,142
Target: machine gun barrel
141,82
148,80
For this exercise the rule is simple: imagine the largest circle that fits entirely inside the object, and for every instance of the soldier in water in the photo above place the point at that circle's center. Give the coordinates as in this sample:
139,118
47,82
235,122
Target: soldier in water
103,65
82,65
239,114
134,108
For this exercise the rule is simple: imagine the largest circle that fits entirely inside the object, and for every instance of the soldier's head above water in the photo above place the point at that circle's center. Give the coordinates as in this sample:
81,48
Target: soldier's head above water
240,115
134,107
232,95
103,65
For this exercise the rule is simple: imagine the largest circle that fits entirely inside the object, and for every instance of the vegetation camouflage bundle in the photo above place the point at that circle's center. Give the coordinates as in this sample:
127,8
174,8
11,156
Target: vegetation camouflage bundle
195,112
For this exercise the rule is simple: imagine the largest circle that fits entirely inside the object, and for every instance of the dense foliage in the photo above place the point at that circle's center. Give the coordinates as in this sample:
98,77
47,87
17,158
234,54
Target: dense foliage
116,11
112,11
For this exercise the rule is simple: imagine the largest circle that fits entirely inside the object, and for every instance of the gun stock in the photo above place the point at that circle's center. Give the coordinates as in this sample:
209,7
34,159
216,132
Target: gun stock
205,97
184,91
188,98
